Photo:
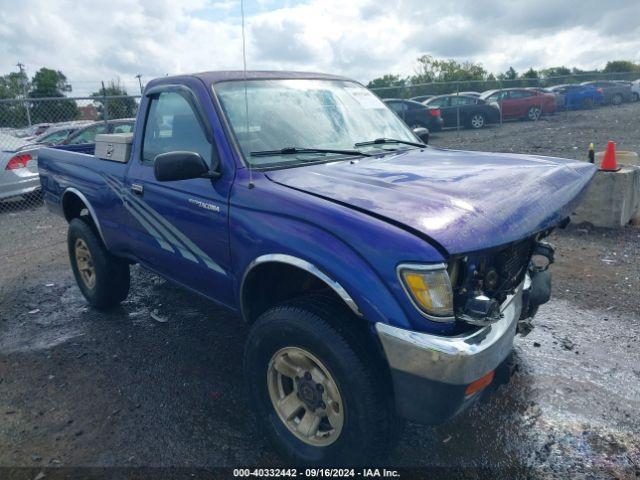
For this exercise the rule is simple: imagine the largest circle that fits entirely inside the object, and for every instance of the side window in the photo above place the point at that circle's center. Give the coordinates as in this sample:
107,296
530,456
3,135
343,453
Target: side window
444,102
123,128
521,94
397,107
457,101
88,135
56,137
172,125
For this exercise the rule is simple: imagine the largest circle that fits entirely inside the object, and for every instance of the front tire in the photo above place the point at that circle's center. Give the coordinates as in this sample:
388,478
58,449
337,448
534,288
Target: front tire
102,278
315,386
616,99
636,97
477,121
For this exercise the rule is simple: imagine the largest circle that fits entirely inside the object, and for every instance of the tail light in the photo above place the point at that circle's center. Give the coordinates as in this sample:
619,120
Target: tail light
18,161
600,90
434,112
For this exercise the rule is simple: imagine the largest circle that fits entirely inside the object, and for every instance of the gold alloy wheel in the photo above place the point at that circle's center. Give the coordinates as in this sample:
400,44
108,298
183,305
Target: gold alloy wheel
305,396
84,263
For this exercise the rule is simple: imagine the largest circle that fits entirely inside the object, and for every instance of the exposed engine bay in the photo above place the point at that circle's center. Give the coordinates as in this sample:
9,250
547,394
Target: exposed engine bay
483,281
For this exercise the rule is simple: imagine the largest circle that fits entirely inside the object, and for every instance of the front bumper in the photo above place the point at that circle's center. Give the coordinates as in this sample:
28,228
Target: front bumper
430,373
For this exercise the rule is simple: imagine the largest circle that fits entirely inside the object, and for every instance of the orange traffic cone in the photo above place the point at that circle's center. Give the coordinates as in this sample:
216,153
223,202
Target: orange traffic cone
609,163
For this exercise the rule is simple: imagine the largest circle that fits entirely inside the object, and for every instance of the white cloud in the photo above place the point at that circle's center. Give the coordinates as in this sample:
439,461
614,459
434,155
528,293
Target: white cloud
103,40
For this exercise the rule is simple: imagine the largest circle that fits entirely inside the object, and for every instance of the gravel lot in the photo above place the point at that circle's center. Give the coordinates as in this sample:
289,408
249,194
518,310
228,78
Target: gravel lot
82,388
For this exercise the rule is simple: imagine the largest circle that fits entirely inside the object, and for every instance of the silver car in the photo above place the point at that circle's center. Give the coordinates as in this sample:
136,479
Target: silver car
18,170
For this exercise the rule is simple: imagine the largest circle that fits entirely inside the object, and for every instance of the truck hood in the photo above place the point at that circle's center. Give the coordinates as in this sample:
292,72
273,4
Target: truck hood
462,201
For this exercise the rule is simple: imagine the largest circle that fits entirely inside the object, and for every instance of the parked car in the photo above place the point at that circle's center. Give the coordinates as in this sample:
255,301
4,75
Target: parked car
416,114
378,277
83,140
558,96
32,131
579,96
58,133
471,112
18,170
521,102
635,90
470,94
421,98
614,93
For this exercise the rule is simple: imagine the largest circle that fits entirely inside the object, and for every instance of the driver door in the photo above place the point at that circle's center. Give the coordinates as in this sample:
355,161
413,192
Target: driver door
180,228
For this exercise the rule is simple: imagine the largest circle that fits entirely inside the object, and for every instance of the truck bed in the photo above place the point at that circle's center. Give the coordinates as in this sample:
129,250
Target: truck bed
85,175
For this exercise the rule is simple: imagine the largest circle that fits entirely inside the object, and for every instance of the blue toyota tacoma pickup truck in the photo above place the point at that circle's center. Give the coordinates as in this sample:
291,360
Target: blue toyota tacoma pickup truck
381,278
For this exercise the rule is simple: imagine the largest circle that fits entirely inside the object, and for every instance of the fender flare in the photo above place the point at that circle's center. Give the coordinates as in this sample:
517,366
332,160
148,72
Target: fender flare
303,265
86,202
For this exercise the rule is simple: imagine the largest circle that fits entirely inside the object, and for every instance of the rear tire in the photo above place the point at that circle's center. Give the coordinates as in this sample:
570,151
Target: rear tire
616,99
636,97
319,330
587,104
534,113
103,279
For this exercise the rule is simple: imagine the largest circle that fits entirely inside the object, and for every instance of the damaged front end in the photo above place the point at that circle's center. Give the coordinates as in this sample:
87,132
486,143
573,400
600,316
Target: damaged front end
483,281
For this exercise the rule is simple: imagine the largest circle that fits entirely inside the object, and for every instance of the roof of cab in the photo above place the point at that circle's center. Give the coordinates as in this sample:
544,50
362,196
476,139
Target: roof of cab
235,75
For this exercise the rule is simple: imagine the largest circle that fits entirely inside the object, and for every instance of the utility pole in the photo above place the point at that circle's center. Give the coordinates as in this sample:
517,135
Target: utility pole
139,77
23,81
105,104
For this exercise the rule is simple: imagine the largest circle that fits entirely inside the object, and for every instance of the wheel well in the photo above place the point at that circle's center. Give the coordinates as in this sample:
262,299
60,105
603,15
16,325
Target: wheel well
271,283
73,206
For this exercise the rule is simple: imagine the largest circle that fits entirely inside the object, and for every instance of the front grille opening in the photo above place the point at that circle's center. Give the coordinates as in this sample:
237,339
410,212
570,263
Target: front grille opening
495,273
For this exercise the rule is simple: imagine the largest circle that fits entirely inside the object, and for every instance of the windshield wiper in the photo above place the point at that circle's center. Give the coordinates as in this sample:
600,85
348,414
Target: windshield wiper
296,150
381,141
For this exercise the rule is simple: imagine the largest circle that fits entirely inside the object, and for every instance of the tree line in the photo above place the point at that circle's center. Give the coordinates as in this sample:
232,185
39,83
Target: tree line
53,85
473,76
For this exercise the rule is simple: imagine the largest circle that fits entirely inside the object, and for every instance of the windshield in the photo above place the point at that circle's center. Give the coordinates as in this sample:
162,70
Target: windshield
303,113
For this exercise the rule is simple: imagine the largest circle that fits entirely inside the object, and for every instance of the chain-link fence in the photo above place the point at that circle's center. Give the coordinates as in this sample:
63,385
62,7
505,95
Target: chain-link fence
607,89
27,230
444,88
26,125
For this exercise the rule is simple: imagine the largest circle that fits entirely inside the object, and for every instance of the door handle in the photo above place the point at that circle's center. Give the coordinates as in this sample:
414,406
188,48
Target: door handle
137,188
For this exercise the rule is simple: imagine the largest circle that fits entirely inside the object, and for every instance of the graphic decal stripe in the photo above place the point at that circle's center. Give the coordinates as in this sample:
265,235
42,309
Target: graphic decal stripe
152,231
172,234
127,200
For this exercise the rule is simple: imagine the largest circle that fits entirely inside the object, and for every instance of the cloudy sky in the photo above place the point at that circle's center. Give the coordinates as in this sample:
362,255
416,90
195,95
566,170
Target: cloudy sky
107,39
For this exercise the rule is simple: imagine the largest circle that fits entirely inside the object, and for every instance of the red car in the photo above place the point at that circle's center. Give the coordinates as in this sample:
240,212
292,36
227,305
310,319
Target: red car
521,102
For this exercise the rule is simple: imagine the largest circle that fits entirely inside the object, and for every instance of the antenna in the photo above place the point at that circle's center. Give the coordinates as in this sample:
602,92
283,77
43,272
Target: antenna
246,97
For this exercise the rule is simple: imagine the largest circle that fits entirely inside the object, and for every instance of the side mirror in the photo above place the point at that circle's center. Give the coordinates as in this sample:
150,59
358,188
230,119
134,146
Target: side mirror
423,134
180,165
